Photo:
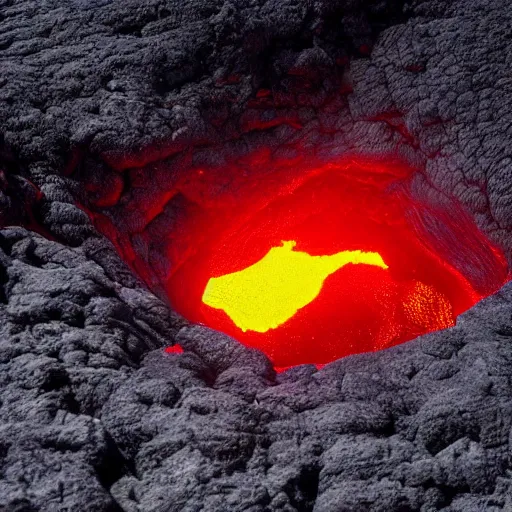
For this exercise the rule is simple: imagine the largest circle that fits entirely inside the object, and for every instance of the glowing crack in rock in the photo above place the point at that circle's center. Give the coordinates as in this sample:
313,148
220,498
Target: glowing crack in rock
270,292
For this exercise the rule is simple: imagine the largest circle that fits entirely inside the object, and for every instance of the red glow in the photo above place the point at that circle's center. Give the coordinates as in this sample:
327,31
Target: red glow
174,349
191,222
327,209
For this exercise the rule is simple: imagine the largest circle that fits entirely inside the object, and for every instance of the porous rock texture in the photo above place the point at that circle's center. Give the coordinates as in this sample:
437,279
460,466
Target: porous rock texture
94,415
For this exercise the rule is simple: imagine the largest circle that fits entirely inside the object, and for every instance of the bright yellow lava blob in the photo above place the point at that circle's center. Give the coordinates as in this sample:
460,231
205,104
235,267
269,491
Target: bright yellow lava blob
268,293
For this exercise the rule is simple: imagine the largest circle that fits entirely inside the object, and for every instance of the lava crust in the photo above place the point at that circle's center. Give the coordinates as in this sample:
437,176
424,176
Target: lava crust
109,112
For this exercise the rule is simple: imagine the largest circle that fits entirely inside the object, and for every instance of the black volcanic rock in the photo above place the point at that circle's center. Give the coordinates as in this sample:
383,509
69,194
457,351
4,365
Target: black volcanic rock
94,415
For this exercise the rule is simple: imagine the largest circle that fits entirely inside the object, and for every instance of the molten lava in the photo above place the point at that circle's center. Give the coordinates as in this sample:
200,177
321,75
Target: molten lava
205,233
270,292
378,258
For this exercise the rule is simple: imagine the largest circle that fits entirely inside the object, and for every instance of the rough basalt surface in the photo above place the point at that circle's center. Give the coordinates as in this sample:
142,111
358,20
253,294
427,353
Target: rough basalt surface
102,104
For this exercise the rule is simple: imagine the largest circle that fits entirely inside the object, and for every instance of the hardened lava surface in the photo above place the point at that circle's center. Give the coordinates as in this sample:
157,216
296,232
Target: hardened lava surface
106,108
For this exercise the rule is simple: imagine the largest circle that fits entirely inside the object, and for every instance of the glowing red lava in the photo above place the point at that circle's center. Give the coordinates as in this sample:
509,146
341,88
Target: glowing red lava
436,265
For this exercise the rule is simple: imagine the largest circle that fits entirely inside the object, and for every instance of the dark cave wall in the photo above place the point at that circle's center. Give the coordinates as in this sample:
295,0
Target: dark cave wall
93,415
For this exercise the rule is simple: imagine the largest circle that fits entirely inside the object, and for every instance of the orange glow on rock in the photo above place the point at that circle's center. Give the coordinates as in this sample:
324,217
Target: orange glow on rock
265,295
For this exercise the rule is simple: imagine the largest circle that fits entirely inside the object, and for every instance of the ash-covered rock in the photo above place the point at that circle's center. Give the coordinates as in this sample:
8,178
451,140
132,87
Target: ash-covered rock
84,426
421,426
96,98
69,336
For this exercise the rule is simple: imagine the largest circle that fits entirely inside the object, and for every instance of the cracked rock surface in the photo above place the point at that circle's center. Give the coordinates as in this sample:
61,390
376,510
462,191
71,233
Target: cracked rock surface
94,415
87,424
69,337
